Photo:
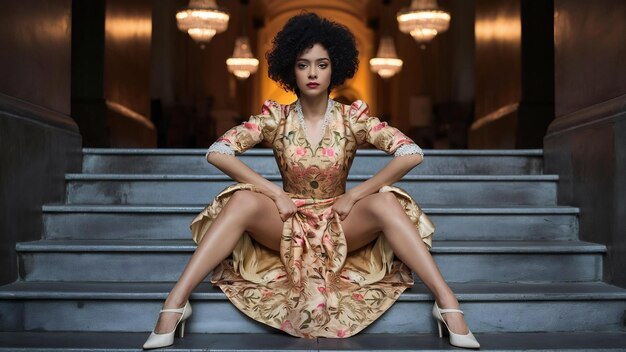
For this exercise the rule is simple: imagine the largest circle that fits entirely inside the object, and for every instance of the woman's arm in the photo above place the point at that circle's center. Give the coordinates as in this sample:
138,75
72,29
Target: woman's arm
242,137
391,173
240,172
389,139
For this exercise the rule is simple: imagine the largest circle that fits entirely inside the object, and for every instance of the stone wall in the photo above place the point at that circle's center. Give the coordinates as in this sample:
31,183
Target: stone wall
586,143
39,142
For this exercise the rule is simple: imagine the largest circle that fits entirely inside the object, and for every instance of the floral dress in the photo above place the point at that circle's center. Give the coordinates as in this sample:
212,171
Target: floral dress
313,287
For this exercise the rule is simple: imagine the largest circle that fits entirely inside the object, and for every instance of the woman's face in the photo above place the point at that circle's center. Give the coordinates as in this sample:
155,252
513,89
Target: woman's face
313,66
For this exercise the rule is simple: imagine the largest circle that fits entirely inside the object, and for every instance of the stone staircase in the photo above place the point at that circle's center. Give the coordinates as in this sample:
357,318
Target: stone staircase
110,254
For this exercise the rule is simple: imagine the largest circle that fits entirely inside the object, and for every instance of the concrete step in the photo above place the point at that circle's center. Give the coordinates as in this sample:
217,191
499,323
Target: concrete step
488,307
439,190
172,222
129,341
459,261
367,161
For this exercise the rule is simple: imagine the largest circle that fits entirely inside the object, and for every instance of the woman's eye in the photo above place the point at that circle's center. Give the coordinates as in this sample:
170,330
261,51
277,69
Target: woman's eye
323,65
301,65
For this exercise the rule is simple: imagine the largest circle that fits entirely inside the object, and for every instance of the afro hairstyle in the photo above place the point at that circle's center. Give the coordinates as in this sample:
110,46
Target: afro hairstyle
303,31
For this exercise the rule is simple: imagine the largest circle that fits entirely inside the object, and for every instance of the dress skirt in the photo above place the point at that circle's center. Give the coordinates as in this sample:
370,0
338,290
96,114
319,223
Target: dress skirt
313,287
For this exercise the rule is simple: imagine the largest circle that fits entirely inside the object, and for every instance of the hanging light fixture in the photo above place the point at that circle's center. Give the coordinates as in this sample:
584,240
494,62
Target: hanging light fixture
242,63
202,20
423,20
386,63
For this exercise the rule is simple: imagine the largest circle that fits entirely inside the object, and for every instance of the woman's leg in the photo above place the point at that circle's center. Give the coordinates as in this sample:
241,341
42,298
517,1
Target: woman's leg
382,212
245,211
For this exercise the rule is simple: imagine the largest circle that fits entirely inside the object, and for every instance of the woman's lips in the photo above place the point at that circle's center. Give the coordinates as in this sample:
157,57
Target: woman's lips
312,85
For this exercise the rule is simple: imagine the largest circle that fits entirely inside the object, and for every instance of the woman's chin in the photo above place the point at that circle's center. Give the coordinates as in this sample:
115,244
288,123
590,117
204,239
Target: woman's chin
313,93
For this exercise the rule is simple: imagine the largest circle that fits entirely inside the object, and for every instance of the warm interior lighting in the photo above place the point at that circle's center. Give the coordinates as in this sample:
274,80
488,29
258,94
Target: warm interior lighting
499,29
242,63
242,67
386,63
201,35
386,67
423,20
128,28
202,19
422,35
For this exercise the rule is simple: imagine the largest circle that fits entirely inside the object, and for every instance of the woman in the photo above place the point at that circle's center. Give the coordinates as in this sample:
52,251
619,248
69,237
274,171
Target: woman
312,260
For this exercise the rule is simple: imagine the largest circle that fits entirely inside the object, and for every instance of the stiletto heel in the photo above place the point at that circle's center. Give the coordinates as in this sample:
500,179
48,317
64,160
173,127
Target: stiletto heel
162,340
468,340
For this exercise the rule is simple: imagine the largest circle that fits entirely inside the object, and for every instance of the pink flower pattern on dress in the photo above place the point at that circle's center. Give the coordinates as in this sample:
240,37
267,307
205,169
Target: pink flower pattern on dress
379,126
300,151
328,152
357,296
251,125
286,326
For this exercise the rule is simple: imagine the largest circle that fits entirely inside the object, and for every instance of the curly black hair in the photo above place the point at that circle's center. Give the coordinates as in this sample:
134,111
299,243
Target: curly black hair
302,32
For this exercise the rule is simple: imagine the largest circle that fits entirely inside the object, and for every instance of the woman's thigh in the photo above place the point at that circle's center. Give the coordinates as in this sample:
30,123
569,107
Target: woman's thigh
262,220
364,220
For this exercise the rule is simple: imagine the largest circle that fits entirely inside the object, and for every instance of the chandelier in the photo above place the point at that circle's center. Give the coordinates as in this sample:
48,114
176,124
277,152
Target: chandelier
386,62
423,20
242,63
202,19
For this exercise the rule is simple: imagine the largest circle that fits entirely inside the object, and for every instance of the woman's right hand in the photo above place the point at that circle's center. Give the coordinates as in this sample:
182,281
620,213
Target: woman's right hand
286,207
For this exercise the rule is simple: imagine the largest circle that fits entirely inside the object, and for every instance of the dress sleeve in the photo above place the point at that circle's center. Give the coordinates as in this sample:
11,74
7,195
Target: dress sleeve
384,137
242,137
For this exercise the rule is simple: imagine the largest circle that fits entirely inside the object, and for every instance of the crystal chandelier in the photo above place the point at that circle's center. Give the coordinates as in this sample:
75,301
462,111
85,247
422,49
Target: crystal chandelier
423,20
242,63
202,19
386,62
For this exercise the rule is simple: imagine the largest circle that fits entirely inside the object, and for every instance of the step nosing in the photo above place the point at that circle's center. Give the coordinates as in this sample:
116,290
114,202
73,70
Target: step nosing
400,340
439,247
277,176
465,291
93,208
406,297
268,151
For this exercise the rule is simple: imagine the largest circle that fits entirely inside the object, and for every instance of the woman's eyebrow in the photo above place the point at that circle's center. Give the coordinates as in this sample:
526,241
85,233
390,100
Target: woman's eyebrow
321,59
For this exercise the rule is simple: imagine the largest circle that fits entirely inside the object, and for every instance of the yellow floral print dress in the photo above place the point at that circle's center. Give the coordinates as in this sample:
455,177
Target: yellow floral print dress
313,287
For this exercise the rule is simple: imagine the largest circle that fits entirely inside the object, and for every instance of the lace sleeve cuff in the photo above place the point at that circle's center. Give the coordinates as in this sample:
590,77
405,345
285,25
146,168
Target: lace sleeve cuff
407,149
219,147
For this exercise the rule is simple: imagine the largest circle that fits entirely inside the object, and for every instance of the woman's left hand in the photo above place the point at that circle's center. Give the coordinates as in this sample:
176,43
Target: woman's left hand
343,204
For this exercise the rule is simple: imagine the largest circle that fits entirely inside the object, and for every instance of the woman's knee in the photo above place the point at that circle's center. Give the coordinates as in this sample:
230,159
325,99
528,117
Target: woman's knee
384,204
258,217
246,202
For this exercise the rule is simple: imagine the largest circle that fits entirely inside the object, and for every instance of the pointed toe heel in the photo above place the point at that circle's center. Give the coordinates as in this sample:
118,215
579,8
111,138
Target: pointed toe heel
163,340
466,341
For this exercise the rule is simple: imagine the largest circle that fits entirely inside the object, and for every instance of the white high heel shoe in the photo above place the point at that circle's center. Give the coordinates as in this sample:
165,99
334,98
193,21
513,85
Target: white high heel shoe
468,340
161,340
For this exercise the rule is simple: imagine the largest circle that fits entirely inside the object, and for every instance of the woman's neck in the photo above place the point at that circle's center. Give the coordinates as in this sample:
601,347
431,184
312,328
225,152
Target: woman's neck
314,108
